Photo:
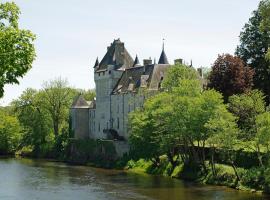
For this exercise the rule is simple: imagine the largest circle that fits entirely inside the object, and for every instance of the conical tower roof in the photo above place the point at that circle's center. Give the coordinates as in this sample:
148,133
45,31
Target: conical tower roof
163,57
136,61
96,63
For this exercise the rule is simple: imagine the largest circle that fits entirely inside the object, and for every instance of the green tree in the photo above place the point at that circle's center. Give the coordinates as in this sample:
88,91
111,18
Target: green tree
265,23
88,95
246,107
56,97
17,50
222,130
176,73
254,43
149,131
35,121
262,138
10,133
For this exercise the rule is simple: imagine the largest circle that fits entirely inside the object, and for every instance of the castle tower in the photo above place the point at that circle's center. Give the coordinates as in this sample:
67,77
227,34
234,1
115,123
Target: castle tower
107,74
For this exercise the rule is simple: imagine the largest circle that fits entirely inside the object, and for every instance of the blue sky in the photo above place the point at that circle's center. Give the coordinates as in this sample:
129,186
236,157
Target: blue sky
71,34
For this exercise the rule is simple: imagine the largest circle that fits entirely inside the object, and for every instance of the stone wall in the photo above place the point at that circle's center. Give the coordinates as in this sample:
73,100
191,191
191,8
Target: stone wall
80,122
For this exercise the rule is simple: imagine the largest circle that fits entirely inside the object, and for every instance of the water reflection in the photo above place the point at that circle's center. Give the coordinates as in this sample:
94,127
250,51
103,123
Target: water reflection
39,179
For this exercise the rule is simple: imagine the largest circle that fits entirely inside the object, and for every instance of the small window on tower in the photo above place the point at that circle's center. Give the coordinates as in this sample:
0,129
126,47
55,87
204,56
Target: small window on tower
110,72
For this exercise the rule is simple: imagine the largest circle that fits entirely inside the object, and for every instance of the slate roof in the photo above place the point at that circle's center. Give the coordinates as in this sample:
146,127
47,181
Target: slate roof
163,58
133,78
116,55
80,102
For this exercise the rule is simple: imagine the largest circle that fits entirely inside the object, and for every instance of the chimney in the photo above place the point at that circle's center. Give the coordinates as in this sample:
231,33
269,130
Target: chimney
147,62
178,61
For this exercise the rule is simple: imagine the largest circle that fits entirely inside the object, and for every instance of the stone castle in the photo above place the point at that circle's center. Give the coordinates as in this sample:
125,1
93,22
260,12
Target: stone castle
119,80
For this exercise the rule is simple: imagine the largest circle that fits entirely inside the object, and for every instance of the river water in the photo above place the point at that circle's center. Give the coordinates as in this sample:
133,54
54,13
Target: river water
25,179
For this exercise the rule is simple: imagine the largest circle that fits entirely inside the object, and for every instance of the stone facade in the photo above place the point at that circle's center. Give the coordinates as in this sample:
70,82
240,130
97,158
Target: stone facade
119,81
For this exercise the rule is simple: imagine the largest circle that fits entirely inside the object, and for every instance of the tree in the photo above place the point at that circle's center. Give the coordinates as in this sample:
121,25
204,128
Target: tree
176,73
246,107
10,133
222,130
56,97
35,122
230,76
265,23
17,50
89,95
262,138
254,43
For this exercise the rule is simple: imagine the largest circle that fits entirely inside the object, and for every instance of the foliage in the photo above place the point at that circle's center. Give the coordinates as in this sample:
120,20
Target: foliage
35,121
175,118
264,10
88,95
10,133
56,98
262,138
44,115
230,76
246,107
176,73
252,49
17,50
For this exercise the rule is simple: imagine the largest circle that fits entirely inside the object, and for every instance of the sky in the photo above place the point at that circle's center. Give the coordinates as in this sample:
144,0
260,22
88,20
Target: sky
71,34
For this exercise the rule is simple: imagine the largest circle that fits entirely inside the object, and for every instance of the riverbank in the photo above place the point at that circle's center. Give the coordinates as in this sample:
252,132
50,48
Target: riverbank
249,181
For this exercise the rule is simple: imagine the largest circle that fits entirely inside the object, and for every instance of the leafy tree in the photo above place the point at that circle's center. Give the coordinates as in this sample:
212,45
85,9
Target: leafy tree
262,138
89,95
150,135
17,50
222,130
230,76
254,43
176,73
35,121
265,23
10,133
246,107
56,97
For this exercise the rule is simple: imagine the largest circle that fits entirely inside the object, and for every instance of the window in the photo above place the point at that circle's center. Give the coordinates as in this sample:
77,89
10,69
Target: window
118,122
98,127
118,108
110,72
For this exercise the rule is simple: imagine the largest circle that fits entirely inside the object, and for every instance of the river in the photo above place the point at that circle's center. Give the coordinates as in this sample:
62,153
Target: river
26,179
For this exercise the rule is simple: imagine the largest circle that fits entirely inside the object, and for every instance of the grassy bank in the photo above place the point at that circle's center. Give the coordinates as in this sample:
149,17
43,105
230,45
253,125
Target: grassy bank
253,179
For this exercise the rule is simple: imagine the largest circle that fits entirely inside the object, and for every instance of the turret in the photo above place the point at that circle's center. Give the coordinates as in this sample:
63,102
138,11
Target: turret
136,62
163,58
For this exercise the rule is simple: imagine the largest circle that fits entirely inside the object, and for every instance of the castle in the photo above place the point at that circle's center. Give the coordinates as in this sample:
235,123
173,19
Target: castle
119,80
